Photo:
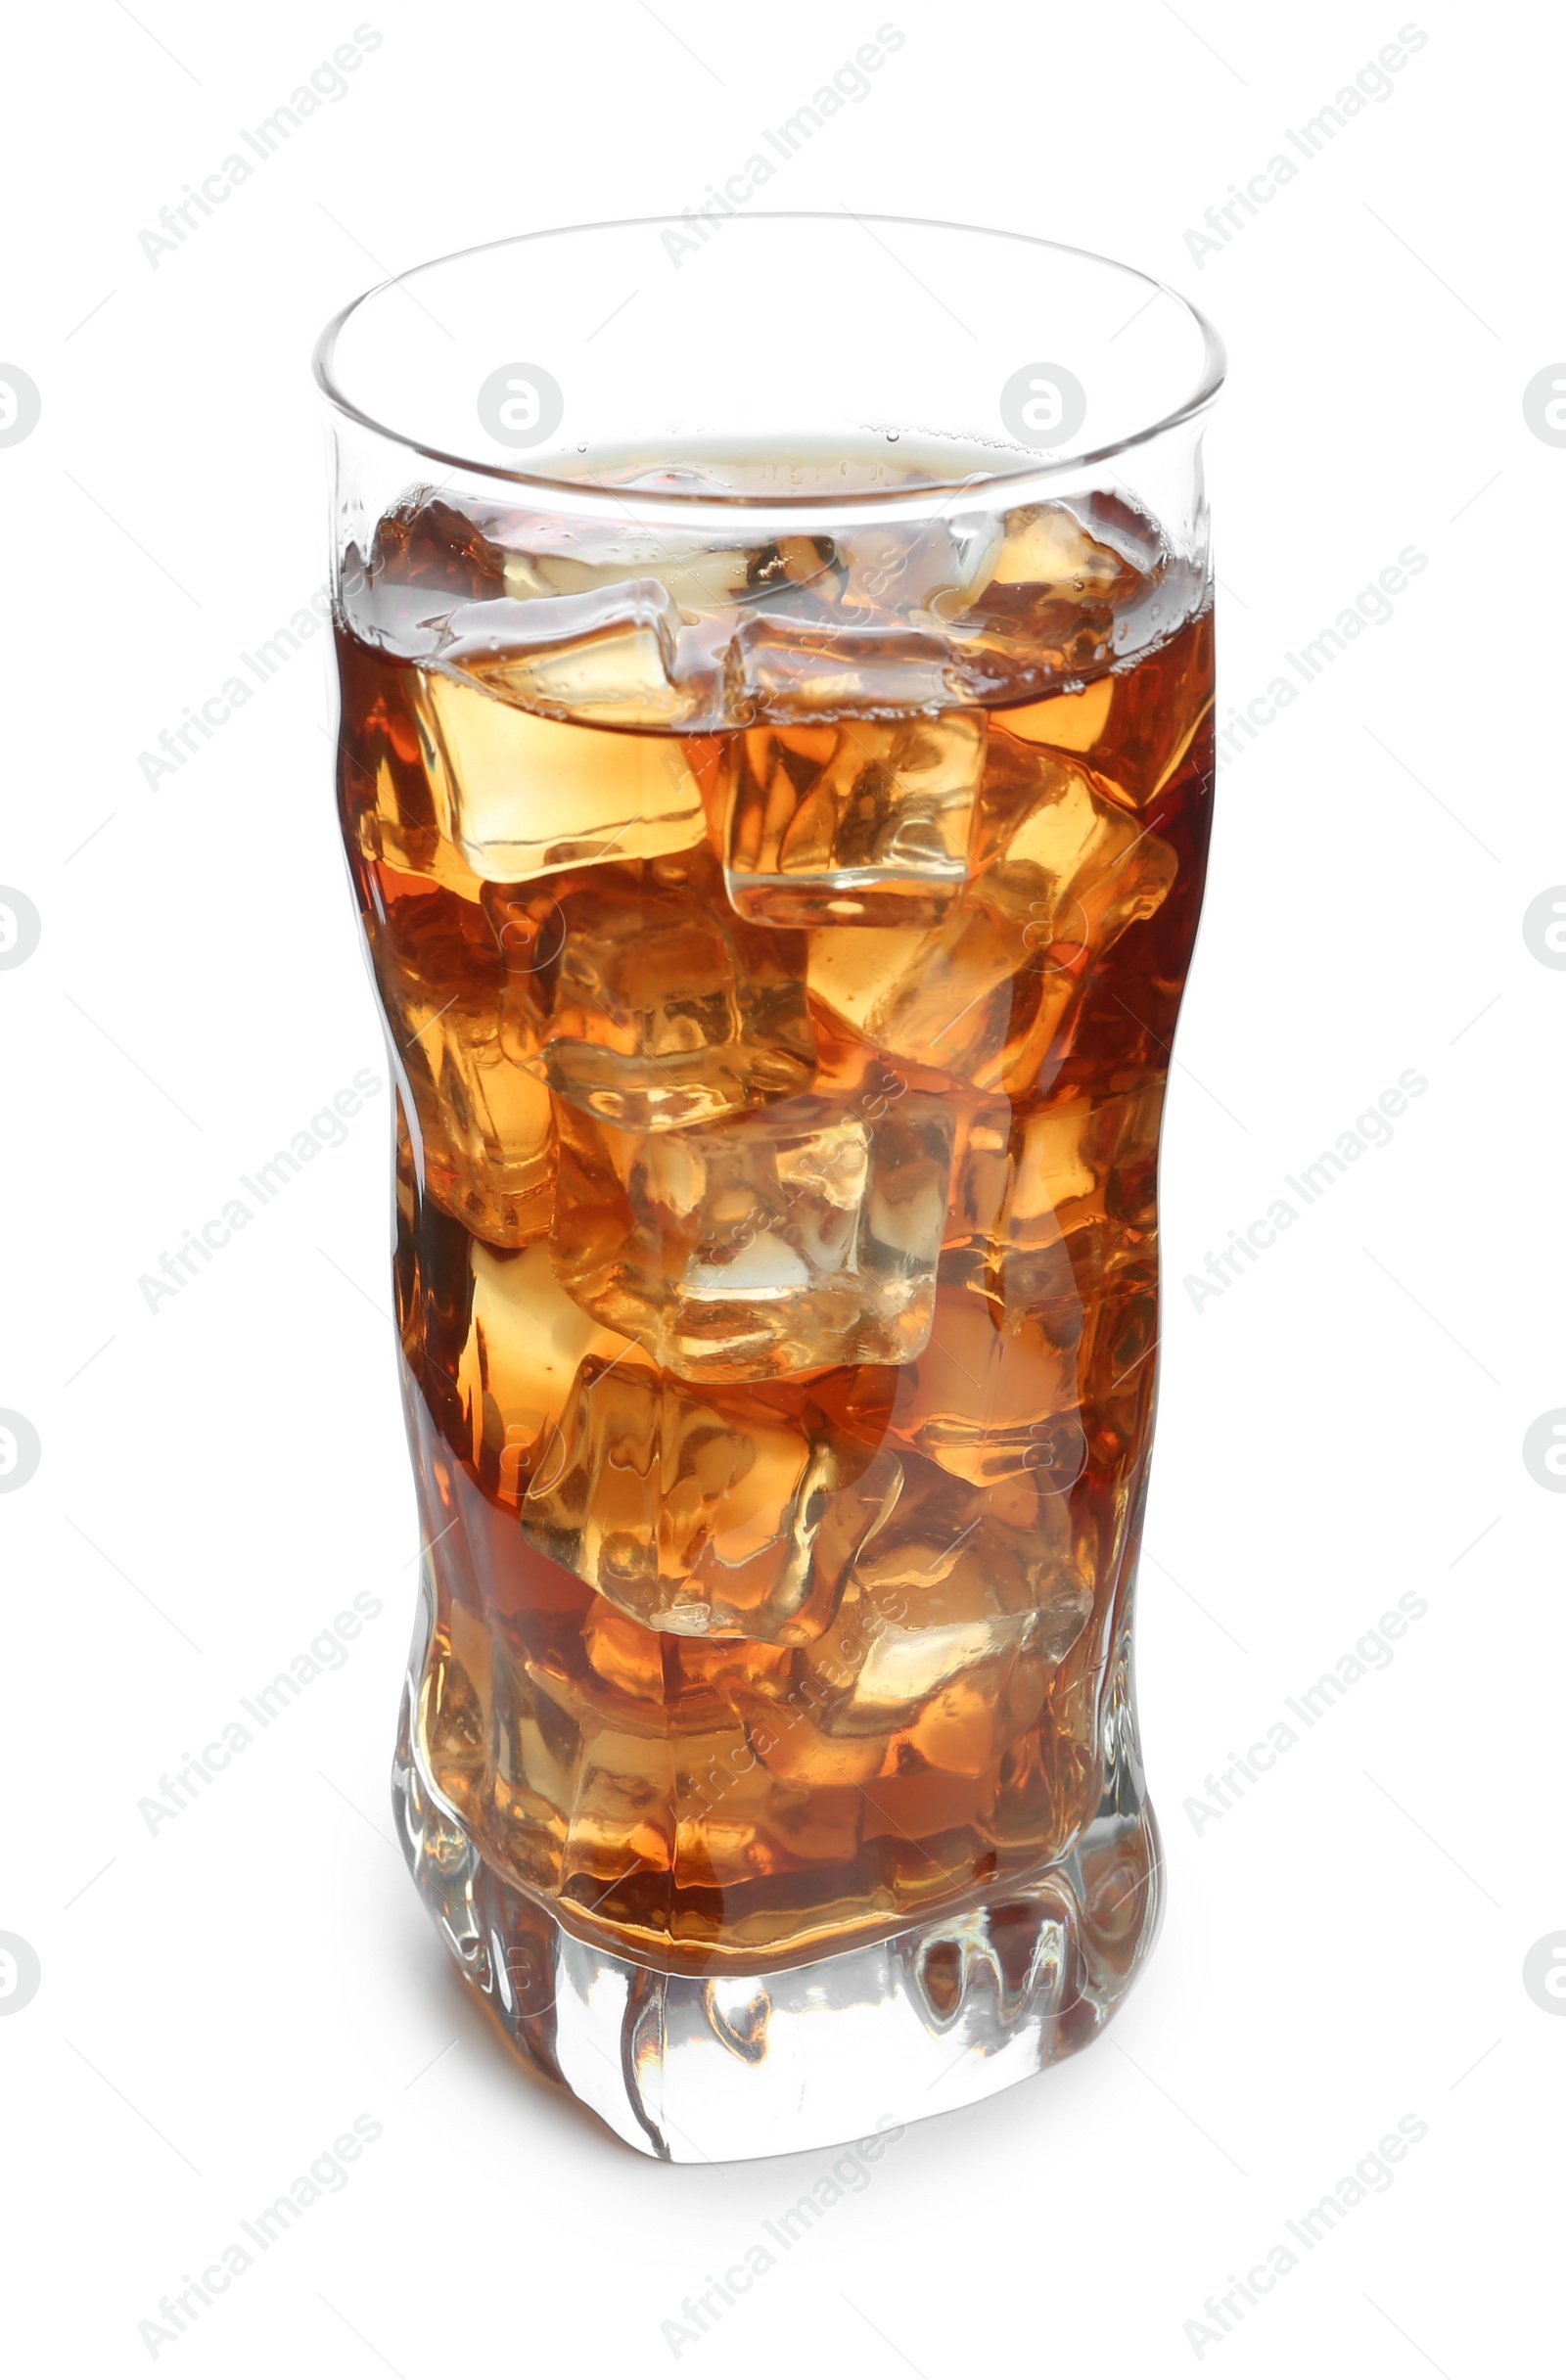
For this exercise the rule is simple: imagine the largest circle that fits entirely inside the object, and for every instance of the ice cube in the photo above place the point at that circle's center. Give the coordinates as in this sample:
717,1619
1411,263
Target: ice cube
662,1009
943,1591
1049,550
1072,721
1057,1171
386,791
526,1343
424,543
1062,589
1064,1238
783,666
492,1158
424,559
705,1513
937,998
980,1172
521,795
553,557
1158,711
972,543
862,822
1140,725
791,1741
803,1236
907,1666
995,1393
1058,855
486,1125
993,996
927,573
606,657
618,1824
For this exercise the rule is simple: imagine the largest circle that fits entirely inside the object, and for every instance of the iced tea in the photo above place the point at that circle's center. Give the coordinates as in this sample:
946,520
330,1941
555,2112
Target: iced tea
781,953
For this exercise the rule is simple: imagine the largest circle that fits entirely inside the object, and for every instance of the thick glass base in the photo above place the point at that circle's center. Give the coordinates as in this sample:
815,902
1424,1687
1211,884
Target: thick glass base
699,2070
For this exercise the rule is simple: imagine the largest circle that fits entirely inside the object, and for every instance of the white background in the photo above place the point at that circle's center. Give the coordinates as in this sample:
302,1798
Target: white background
1343,1425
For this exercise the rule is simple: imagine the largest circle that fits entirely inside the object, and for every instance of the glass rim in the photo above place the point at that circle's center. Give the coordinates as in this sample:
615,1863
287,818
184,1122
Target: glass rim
684,504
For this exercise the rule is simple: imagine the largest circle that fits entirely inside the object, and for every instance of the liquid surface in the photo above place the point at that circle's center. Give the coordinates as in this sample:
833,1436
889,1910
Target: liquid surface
782,1035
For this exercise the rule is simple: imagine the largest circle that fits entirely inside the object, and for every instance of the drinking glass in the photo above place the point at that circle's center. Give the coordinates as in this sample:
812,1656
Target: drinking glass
775,764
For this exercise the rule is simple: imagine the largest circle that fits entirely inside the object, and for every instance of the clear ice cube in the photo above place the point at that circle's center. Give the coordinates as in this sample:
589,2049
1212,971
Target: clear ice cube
489,1144
571,559
804,1236
861,822
945,1599
1067,592
1140,724
519,794
663,1010
937,996
527,1342
704,1513
929,572
996,1394
1049,551
1072,721
486,1125
1056,852
423,560
607,656
782,666
1059,869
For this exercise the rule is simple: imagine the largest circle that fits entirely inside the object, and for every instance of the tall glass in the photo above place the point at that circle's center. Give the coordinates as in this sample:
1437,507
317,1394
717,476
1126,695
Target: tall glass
775,767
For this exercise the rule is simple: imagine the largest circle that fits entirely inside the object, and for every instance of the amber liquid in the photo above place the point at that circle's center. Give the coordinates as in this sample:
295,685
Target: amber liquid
777,1258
